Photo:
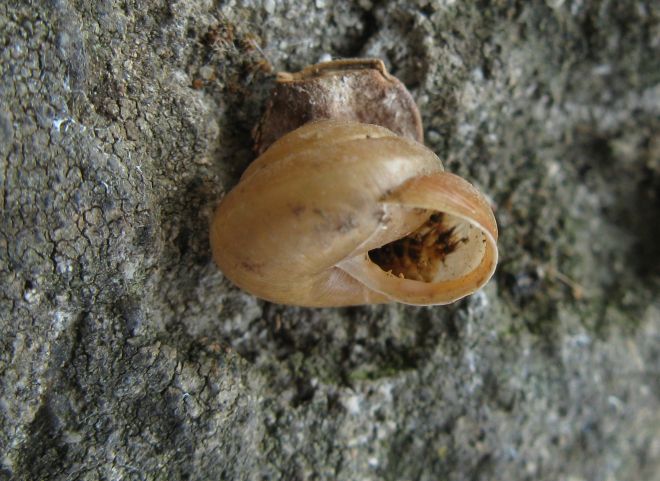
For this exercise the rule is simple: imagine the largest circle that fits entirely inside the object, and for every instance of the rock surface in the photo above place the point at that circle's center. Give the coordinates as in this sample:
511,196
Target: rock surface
125,354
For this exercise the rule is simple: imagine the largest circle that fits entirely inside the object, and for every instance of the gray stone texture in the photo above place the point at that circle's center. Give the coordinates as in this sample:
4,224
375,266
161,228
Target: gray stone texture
125,354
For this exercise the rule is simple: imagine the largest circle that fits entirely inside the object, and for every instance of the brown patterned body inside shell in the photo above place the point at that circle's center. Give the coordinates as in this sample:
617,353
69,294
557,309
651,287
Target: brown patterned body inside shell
420,255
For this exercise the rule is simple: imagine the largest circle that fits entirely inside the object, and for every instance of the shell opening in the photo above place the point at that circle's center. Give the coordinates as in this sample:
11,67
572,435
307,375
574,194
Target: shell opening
444,247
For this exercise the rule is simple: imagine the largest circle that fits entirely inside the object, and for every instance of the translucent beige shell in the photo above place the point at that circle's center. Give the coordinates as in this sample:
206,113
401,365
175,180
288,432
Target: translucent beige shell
341,213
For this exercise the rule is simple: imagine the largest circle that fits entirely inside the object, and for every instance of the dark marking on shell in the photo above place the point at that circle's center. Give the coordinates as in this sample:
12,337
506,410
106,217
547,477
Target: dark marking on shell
254,267
298,209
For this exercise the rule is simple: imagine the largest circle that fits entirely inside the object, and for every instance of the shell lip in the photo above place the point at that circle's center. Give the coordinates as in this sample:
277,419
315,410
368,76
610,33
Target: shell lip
420,293
449,194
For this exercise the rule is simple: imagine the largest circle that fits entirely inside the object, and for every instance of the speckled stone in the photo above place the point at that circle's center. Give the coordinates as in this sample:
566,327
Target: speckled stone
125,354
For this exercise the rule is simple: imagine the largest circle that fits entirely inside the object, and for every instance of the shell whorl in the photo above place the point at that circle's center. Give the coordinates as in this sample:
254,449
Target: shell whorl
308,220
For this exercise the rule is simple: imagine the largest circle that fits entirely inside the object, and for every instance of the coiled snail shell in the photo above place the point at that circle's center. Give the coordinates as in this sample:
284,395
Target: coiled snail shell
339,213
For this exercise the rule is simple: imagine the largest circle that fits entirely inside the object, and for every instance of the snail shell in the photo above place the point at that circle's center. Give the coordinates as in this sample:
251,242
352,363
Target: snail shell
341,213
